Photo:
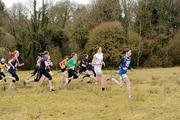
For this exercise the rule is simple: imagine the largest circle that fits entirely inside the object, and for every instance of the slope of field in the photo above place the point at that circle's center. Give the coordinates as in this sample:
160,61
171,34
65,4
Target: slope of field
156,97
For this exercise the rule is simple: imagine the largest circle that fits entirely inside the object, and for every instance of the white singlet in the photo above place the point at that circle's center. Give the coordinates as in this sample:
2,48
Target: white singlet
98,61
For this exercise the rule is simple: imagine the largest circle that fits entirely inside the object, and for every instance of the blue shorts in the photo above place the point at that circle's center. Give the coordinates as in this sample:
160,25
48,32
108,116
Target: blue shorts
123,74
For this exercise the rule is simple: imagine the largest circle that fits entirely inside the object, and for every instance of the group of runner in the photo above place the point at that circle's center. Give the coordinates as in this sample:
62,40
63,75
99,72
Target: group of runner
70,69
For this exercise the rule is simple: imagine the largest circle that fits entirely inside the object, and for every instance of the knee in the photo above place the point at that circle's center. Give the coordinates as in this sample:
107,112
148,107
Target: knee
127,82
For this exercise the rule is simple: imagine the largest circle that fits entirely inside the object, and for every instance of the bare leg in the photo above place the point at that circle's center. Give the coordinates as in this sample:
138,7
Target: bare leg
119,82
51,85
94,78
67,81
42,80
89,74
64,76
126,80
11,83
102,81
29,81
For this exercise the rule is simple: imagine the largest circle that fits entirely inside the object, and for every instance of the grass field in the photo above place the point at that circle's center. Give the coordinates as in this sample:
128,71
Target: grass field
156,97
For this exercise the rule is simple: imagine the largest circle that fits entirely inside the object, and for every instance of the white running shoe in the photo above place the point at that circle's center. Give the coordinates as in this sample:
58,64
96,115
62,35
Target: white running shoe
130,96
113,79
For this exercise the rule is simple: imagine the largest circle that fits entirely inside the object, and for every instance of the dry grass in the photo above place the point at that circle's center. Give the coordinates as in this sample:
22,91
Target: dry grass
156,97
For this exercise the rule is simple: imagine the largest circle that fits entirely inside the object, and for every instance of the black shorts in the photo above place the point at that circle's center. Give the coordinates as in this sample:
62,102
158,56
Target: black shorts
2,75
43,72
48,70
36,70
13,74
82,69
94,73
72,73
63,70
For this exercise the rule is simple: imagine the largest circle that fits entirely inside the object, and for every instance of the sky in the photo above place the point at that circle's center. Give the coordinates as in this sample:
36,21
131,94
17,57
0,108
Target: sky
9,3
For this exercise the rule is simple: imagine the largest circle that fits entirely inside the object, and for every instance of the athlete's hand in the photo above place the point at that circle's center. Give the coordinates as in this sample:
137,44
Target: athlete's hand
21,65
13,67
125,68
132,69
103,63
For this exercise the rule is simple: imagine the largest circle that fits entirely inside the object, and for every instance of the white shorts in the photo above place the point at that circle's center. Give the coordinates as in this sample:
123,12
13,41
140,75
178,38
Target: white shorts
124,76
98,70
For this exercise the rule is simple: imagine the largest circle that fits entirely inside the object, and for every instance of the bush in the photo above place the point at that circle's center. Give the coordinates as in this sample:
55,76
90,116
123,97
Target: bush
6,39
110,36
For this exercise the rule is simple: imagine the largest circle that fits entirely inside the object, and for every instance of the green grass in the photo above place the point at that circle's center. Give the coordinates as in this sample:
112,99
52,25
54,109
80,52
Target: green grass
156,97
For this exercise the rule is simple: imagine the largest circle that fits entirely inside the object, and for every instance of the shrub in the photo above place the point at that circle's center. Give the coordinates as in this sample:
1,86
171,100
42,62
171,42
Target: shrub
111,37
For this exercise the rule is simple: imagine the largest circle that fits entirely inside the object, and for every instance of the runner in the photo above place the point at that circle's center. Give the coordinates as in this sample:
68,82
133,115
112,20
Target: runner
84,66
62,65
71,65
3,65
38,60
48,68
43,71
98,63
14,63
124,65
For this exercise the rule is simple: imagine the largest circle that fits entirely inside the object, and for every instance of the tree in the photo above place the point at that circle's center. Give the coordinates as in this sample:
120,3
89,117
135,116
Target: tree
105,10
60,14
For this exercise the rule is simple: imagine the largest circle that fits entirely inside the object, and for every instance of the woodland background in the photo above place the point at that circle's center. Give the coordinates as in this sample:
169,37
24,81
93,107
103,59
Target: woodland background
149,27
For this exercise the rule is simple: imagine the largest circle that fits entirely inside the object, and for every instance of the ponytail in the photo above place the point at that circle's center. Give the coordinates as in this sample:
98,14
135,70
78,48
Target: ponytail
123,53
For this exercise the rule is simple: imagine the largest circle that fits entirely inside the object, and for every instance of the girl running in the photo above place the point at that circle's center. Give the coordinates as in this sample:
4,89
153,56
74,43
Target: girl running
14,63
38,59
37,67
71,65
43,71
62,65
49,65
2,66
124,65
84,66
48,68
98,62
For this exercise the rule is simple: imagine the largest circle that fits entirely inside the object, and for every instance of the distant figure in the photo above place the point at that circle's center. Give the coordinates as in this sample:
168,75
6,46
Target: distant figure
3,65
